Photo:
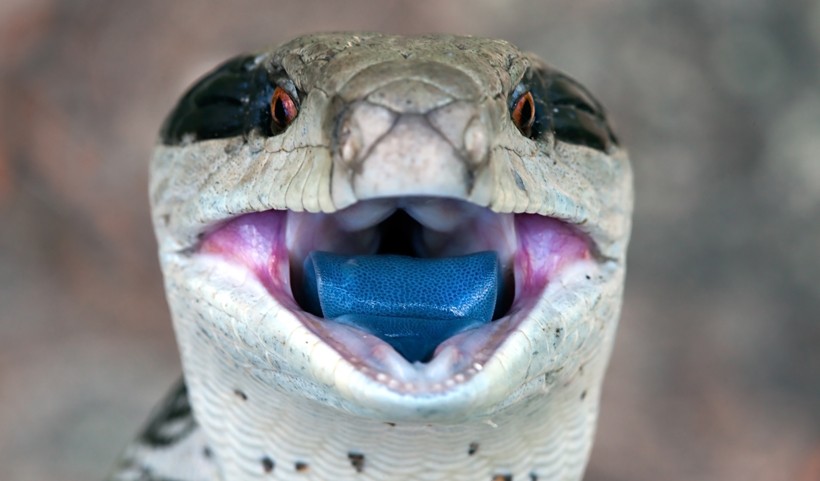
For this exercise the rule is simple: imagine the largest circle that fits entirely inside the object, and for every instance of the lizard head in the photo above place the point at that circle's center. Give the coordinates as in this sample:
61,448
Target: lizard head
375,238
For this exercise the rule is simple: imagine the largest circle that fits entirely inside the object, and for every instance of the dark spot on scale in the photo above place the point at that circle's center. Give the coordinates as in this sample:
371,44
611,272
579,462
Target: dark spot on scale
533,477
235,146
301,467
502,477
357,461
588,277
558,331
510,59
584,395
267,464
519,182
472,449
241,395
207,453
392,425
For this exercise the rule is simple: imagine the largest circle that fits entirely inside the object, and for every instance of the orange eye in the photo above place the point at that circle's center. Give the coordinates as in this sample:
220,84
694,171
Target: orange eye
282,108
523,113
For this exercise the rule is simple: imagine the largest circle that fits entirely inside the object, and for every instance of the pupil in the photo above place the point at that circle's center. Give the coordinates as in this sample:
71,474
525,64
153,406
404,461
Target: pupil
279,112
526,112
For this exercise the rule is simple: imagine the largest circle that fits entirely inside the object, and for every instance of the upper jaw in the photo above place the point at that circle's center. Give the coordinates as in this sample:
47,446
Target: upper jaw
188,201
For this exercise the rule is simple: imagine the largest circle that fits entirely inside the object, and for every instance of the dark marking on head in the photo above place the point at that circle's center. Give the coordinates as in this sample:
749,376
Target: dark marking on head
173,422
519,182
268,464
533,477
232,100
558,332
301,467
357,461
563,109
240,394
584,395
502,477
207,453
392,425
472,448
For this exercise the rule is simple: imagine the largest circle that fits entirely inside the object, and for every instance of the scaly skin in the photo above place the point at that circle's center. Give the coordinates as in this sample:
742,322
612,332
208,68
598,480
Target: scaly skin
271,399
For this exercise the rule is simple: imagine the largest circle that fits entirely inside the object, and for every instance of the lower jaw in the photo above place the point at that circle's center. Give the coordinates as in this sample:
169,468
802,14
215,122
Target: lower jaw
267,387
548,435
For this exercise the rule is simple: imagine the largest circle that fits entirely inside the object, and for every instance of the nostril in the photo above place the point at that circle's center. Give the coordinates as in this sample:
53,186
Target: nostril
350,142
465,127
359,127
476,142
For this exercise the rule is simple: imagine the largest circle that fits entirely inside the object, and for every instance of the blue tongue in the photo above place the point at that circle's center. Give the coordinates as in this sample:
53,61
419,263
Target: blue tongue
412,304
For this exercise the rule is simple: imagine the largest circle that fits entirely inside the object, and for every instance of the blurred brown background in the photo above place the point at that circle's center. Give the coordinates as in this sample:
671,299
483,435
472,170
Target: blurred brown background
716,374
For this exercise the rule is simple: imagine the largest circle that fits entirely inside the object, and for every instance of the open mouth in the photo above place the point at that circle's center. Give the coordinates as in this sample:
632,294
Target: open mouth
412,291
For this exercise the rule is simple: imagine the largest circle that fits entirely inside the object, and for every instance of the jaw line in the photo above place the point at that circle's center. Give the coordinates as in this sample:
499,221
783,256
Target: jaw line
461,361
277,345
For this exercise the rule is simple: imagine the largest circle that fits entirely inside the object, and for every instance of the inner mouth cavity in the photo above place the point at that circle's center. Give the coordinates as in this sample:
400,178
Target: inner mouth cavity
419,274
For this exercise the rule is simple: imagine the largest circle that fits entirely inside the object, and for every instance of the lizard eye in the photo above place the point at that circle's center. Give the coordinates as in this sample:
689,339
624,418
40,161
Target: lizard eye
235,99
283,108
547,103
523,113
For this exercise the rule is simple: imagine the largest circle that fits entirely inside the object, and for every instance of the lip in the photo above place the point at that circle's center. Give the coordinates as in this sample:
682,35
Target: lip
535,251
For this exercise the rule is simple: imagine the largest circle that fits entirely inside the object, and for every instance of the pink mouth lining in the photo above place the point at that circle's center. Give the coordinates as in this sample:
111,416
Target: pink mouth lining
257,241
